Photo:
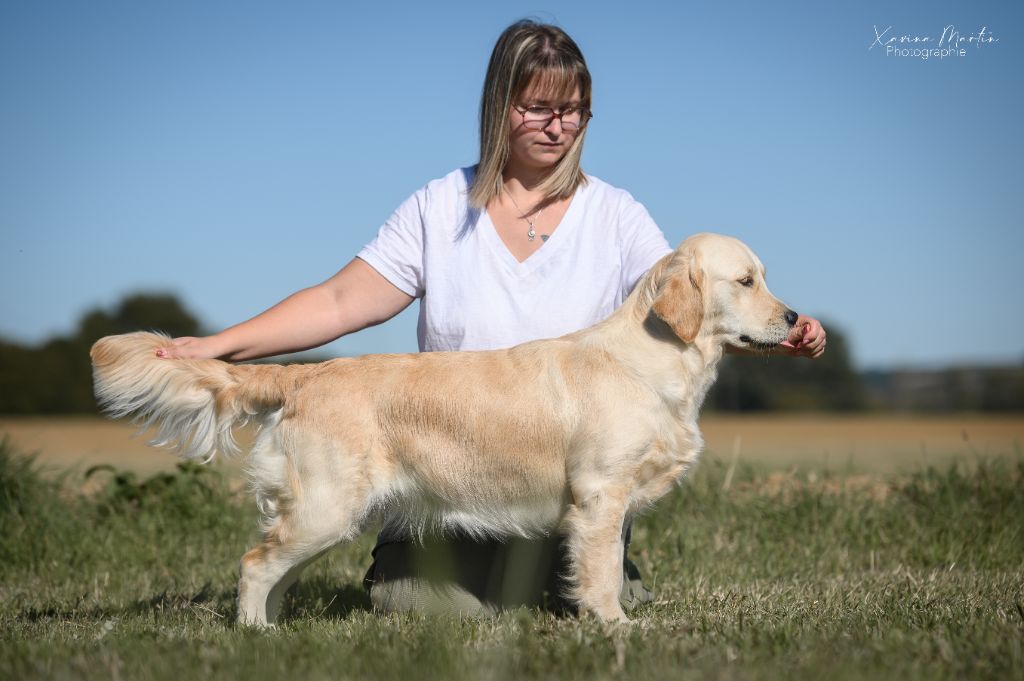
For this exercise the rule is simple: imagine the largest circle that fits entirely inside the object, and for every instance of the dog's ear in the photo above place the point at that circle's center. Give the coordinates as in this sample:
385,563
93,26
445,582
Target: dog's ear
680,300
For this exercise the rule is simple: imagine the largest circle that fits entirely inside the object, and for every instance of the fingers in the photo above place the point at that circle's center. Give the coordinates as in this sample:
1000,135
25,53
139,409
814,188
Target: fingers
814,339
807,338
180,348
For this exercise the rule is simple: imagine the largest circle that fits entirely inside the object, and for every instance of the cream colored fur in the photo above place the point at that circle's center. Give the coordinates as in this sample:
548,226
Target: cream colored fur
574,433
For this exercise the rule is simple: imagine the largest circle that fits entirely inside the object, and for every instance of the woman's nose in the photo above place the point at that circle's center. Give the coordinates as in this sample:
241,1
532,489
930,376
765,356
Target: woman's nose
555,120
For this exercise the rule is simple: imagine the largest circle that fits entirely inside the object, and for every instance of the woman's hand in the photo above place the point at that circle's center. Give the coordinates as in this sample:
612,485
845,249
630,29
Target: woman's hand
191,347
806,339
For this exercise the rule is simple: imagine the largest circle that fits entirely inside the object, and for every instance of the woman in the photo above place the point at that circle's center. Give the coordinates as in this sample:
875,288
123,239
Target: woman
521,246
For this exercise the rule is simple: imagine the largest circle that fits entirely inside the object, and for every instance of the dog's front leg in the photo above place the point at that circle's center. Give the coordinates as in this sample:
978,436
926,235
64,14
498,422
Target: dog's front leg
593,525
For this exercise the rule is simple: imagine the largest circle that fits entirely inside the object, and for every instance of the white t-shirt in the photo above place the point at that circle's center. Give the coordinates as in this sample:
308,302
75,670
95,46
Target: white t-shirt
474,295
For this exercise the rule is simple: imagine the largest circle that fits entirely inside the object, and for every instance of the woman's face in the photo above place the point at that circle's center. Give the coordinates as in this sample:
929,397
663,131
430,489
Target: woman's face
540,149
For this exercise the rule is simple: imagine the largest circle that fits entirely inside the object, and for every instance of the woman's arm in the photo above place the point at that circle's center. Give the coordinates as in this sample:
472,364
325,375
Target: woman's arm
353,299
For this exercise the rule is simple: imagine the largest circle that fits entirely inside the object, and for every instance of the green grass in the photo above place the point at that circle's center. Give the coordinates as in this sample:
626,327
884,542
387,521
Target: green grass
758,575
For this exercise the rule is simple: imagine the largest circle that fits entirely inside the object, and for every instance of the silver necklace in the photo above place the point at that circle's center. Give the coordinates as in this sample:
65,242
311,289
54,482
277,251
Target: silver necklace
531,232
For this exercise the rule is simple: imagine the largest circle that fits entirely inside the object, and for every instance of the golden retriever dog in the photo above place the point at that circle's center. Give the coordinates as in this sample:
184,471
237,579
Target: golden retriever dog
575,433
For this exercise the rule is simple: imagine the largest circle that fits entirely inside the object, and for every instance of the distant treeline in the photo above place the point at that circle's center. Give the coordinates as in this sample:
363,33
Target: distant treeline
992,389
56,377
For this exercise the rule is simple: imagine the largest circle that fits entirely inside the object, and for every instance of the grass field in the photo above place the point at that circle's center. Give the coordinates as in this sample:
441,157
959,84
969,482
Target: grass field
760,573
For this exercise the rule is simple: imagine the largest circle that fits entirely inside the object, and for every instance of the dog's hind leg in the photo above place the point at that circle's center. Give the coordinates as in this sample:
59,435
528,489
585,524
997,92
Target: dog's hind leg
297,539
593,524
267,571
312,495
298,529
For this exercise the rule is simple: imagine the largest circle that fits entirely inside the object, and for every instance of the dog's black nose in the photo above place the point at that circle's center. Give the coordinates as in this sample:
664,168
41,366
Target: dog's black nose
790,317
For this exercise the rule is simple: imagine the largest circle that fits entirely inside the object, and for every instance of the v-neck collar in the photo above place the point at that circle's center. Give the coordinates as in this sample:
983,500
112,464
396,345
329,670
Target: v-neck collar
561,234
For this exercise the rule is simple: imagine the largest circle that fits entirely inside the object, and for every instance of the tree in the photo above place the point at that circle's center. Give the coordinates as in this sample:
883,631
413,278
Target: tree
138,312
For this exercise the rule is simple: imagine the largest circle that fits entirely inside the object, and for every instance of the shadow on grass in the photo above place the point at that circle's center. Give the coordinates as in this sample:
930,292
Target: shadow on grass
165,602
316,598
320,597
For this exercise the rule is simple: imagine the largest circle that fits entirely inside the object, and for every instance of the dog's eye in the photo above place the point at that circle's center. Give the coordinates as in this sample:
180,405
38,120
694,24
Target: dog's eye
747,281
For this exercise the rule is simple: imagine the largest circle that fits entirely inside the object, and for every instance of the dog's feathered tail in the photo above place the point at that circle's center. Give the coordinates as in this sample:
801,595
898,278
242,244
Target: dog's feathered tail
193,403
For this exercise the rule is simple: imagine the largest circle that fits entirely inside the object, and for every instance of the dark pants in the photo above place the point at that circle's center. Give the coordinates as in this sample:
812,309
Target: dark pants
459,575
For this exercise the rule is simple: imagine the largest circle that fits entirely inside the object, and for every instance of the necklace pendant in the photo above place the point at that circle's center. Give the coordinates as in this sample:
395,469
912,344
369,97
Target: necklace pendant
530,233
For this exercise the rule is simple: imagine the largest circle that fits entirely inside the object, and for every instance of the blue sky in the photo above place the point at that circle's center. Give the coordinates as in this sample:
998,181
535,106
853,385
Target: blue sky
234,152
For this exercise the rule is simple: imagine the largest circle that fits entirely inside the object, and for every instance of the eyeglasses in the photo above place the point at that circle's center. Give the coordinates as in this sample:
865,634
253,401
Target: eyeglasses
572,118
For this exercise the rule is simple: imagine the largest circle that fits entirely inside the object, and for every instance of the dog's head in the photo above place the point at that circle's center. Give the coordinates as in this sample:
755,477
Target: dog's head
713,286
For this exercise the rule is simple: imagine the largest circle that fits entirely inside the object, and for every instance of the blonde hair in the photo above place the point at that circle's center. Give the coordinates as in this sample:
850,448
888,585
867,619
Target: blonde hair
526,51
